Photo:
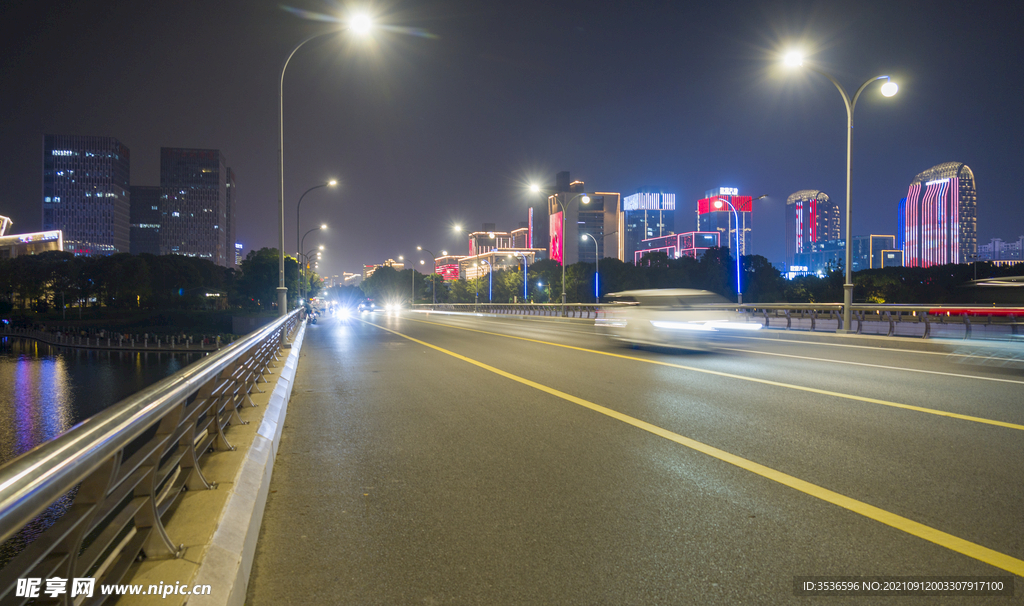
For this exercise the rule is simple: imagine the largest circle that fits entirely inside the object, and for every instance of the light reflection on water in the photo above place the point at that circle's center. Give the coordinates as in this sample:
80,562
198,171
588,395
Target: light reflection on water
46,390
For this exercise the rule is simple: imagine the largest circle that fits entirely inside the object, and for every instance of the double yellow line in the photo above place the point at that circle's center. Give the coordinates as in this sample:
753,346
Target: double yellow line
933,535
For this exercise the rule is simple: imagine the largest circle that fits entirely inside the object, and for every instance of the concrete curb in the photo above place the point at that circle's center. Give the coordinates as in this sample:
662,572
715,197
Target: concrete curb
229,557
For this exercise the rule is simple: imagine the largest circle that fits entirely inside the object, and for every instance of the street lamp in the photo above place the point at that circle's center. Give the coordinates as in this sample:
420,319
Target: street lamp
331,183
360,24
795,59
585,199
490,280
597,266
302,241
433,289
718,204
523,255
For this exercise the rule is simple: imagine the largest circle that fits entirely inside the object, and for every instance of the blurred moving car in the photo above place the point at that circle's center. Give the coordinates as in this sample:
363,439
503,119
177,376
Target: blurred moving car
673,317
366,305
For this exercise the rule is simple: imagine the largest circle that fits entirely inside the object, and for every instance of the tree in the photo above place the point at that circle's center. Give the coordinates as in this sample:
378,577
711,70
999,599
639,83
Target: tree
257,286
387,286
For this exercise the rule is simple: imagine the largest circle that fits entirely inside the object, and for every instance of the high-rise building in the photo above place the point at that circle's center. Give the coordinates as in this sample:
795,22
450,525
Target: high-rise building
86,192
598,218
940,217
145,219
810,217
712,216
232,216
868,252
645,215
194,204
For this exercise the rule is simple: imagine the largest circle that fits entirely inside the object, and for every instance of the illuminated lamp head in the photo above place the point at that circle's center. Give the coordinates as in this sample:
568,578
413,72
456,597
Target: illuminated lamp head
585,199
719,203
889,88
793,59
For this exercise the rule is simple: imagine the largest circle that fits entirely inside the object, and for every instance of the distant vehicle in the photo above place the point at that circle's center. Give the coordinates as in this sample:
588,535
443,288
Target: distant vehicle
674,317
366,305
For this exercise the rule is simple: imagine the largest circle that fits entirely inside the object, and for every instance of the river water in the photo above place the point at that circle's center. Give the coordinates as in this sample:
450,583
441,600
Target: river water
45,390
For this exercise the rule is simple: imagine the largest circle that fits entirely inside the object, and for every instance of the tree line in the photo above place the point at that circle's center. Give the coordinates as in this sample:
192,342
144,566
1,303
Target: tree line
56,280
715,271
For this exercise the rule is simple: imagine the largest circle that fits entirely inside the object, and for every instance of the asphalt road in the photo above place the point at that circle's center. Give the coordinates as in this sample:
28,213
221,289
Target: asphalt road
452,459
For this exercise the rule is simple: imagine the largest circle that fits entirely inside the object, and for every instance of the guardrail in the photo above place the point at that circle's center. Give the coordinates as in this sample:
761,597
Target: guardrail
168,344
125,467
925,321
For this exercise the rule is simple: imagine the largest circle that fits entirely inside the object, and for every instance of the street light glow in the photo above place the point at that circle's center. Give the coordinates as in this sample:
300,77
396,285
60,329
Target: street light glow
585,199
793,59
890,88
332,182
323,226
535,188
360,23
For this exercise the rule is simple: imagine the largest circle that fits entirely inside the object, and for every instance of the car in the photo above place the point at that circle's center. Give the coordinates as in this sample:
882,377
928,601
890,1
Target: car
366,305
672,317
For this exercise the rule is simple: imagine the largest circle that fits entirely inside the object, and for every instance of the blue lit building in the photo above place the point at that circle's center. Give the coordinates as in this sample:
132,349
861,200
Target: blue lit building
645,215
86,192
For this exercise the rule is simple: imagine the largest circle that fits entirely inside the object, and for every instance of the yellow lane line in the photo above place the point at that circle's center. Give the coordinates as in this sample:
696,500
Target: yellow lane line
824,392
933,535
918,370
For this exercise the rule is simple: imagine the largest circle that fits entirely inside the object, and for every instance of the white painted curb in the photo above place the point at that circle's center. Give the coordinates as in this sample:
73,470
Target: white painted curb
228,560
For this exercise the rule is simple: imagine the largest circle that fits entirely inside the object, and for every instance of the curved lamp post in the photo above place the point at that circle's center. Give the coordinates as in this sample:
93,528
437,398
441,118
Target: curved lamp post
597,265
523,255
490,280
584,199
302,241
433,290
718,204
360,24
888,89
298,207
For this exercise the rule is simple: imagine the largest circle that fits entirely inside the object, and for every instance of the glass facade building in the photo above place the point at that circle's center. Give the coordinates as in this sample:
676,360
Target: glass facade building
868,252
811,217
86,192
194,205
645,215
940,217
710,218
145,219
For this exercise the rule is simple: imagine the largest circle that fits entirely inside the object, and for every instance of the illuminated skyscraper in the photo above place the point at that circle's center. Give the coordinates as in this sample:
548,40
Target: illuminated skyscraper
145,216
86,192
194,205
645,215
711,218
940,217
811,217
598,218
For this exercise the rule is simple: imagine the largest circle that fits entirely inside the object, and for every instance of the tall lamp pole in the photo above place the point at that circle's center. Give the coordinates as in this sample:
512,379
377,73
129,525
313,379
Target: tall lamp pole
302,241
433,289
360,24
298,207
523,255
597,266
888,89
736,217
490,280
585,199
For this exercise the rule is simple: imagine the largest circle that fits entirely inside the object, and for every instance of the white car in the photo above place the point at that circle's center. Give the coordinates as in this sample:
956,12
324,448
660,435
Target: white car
673,317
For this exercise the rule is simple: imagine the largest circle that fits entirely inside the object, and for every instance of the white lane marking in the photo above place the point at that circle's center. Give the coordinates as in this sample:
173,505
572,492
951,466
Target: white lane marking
930,372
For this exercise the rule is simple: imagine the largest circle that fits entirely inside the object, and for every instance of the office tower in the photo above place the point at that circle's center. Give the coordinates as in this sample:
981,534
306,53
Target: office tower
232,213
868,252
598,218
940,217
145,219
645,215
714,217
194,205
810,217
86,192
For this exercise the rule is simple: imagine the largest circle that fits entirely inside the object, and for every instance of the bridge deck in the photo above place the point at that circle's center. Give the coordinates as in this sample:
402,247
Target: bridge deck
472,467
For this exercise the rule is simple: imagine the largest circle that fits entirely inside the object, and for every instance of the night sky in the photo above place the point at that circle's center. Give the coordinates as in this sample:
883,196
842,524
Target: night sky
429,130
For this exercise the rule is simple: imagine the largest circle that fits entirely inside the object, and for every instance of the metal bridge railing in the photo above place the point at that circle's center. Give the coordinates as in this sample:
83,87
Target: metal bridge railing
925,321
126,467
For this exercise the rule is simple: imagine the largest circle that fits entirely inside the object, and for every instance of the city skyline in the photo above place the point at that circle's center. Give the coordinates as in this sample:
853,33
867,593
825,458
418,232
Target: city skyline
428,131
